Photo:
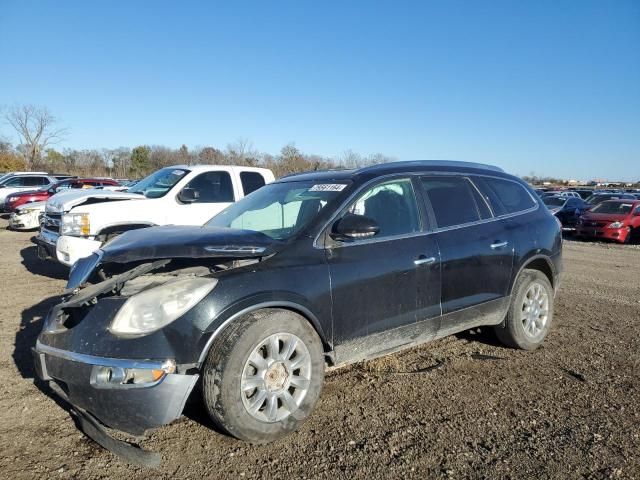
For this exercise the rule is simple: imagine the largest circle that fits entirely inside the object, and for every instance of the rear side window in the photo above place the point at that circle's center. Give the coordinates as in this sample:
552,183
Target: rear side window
251,181
505,196
454,200
212,187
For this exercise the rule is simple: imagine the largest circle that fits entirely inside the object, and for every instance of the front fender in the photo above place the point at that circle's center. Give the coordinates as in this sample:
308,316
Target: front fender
276,299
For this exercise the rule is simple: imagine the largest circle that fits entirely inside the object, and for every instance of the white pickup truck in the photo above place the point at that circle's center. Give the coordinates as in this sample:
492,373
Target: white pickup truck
77,223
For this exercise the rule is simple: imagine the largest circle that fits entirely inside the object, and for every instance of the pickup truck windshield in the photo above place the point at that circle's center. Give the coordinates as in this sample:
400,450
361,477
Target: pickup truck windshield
278,210
158,183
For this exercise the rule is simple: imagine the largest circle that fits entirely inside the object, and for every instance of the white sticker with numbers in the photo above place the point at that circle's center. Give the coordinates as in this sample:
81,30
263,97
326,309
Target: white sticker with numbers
328,187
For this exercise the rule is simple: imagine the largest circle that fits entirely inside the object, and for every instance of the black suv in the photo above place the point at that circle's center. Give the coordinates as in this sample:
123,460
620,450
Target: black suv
314,270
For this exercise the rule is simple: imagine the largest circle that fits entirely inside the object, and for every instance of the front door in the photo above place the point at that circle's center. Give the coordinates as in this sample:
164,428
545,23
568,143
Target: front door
211,192
380,284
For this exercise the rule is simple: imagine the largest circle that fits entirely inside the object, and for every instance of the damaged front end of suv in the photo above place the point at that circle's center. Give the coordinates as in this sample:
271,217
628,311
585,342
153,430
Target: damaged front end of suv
124,346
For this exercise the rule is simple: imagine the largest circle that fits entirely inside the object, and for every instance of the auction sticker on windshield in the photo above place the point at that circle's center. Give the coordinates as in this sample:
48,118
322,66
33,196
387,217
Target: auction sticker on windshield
328,187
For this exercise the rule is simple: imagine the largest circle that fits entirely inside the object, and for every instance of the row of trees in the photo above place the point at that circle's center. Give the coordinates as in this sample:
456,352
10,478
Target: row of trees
38,131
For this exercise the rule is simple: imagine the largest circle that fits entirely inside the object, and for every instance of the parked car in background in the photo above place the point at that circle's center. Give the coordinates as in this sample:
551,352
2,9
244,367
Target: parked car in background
617,220
584,193
600,197
316,269
77,223
21,182
566,209
27,216
20,198
561,193
10,174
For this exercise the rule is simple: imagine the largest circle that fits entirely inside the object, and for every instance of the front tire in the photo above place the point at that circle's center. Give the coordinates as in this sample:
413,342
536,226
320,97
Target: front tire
530,314
263,375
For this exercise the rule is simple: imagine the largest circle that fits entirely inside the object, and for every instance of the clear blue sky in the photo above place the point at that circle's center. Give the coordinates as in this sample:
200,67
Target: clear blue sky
551,87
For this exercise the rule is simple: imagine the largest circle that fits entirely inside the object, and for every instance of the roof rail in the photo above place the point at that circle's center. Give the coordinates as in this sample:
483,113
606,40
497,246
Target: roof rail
438,163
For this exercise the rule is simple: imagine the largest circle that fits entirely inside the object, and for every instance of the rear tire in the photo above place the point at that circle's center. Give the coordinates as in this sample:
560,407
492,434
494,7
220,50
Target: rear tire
530,314
263,375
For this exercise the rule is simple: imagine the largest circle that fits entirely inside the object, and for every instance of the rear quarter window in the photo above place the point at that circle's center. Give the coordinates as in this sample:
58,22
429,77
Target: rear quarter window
504,196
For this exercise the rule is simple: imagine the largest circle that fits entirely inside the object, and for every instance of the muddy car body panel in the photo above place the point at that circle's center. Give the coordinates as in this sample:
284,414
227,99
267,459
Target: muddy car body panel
363,296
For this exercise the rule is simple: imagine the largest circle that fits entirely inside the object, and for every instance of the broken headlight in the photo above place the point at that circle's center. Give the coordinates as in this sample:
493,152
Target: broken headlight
152,309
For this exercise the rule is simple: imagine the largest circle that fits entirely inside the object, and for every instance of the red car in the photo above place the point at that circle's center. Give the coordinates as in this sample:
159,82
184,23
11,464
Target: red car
617,220
16,199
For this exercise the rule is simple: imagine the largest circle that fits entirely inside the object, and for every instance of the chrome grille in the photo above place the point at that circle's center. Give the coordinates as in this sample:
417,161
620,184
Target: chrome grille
51,222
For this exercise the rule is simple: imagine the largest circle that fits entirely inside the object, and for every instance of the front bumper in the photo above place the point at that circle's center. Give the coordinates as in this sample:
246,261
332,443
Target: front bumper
24,221
131,408
46,242
71,249
605,233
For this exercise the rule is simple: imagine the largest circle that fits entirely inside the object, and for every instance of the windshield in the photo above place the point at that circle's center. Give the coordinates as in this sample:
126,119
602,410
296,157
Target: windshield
278,210
618,208
554,201
158,183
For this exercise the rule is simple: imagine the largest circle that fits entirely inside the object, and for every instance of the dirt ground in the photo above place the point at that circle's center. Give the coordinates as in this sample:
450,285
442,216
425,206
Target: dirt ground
568,410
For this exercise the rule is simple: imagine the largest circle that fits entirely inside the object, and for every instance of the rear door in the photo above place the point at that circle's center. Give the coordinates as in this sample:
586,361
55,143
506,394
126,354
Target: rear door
476,250
390,280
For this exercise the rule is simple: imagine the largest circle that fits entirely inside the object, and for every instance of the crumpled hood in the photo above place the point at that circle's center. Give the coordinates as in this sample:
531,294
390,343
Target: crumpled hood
187,242
65,201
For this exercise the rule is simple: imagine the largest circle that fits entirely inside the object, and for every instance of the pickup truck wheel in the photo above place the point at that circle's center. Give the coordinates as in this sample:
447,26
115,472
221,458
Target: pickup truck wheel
530,314
263,375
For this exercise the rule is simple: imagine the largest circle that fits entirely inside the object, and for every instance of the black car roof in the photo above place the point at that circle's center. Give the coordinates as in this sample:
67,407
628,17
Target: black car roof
367,173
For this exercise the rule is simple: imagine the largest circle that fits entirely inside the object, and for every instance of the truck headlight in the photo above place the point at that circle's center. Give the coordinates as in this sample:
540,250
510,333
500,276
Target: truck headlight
76,224
616,225
152,309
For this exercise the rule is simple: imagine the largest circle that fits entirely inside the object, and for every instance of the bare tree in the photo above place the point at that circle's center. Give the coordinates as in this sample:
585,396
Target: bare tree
242,152
36,128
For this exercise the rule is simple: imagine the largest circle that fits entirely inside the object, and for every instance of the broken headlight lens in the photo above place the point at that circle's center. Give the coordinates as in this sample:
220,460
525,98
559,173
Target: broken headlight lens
152,309
76,224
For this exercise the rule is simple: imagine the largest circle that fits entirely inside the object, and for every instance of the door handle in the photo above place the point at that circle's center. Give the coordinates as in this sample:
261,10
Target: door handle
499,245
424,260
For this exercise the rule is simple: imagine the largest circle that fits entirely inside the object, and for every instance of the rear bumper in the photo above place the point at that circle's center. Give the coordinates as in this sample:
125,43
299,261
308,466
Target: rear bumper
126,407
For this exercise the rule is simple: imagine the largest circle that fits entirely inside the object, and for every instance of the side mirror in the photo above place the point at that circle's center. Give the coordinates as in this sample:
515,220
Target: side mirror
353,227
188,195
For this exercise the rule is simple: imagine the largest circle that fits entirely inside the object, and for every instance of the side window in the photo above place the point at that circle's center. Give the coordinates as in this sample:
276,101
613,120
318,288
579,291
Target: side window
212,187
454,200
15,182
505,196
35,181
251,181
392,205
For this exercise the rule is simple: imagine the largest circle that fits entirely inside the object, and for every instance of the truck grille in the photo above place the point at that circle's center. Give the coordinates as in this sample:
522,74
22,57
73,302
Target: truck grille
51,222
